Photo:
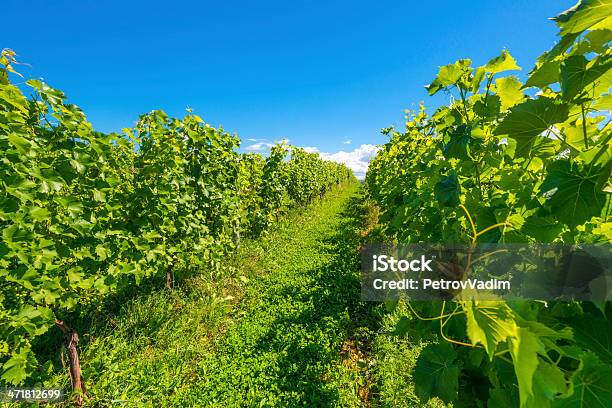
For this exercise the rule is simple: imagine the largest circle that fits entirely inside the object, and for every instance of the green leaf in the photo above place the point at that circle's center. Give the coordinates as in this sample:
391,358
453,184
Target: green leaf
489,323
572,192
577,74
543,74
479,75
101,252
604,102
509,91
99,196
504,62
391,305
487,106
8,205
598,40
524,349
23,145
449,75
72,205
548,383
562,46
49,185
75,275
543,229
593,14
79,167
436,373
459,144
542,147
527,120
448,190
15,370
15,233
51,95
484,216
39,214
594,334
591,385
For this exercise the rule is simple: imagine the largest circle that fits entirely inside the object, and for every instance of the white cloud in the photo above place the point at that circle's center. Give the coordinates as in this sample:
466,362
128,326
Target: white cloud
357,160
258,147
263,145
347,141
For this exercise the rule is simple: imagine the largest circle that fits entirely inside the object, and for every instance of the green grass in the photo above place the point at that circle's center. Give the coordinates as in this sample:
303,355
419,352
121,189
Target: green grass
396,357
283,326
283,350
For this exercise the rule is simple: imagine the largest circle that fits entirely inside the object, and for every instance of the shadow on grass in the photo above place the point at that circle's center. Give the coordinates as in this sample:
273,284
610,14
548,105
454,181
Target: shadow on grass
91,320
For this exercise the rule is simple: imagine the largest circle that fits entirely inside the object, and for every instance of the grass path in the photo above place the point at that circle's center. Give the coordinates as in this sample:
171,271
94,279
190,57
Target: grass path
286,349
282,330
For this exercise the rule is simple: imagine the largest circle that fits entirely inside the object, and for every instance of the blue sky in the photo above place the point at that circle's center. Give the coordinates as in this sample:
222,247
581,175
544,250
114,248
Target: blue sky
319,73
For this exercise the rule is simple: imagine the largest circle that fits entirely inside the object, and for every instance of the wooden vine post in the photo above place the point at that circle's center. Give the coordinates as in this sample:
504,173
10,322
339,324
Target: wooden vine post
71,339
169,276
169,270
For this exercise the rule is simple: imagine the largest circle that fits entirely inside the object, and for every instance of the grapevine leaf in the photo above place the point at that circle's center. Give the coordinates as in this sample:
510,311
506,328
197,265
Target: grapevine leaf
509,91
598,40
543,229
576,74
528,119
15,368
591,385
448,190
436,373
99,196
586,14
544,74
524,349
14,234
542,147
604,103
548,383
449,75
459,144
49,185
34,320
562,46
594,334
70,204
572,192
489,323
487,106
479,75
504,62
485,216
39,214
8,205
21,144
